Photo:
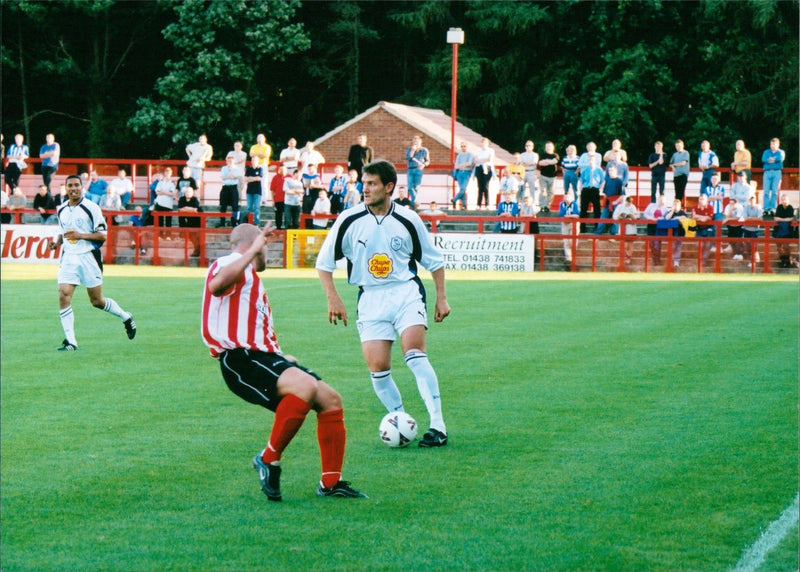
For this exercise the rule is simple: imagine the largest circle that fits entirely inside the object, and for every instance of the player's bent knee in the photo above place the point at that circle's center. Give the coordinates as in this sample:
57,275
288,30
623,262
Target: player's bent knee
299,383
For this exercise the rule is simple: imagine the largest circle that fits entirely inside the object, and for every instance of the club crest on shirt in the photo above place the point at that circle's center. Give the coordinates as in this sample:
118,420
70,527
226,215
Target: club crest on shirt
396,243
380,265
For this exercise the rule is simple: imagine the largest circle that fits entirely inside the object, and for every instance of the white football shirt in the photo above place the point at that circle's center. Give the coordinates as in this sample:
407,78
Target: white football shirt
380,249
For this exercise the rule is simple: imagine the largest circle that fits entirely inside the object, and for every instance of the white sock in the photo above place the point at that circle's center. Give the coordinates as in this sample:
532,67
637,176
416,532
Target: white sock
113,308
428,386
68,323
386,390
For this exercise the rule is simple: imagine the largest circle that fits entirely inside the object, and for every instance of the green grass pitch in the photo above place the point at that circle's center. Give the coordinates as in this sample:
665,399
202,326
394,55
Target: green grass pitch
596,423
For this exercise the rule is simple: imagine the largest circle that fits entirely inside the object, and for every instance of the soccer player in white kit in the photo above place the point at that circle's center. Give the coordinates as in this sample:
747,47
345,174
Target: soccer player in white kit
383,243
83,225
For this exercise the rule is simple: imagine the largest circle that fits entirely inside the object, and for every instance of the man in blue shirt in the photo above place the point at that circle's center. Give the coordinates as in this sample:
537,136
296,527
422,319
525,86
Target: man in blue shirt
49,153
417,158
772,160
613,192
97,188
592,178
568,209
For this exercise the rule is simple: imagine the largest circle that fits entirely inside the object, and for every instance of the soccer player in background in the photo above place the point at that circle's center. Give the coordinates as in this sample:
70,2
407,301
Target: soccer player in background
84,228
238,329
383,243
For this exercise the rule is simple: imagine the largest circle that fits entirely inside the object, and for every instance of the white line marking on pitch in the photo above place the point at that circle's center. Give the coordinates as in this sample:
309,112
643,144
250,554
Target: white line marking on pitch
755,555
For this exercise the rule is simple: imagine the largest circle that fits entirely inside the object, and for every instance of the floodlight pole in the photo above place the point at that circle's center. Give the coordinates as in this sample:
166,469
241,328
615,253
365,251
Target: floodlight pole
455,36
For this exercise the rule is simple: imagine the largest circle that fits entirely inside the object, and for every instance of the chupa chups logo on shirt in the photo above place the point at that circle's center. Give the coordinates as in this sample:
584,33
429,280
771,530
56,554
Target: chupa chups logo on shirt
380,265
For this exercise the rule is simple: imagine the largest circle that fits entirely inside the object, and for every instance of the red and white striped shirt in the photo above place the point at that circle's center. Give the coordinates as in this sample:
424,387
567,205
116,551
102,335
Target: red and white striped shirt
239,318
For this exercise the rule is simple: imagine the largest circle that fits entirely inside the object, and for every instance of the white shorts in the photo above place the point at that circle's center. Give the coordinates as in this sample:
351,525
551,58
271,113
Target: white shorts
80,269
385,312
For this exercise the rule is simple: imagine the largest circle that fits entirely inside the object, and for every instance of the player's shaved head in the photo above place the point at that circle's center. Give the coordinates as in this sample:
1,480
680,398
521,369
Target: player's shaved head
243,234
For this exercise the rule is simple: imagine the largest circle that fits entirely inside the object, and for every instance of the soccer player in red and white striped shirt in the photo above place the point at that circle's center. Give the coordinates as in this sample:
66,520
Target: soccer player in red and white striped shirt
237,327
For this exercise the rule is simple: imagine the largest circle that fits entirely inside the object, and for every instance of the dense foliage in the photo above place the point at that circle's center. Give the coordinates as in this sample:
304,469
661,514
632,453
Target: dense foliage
141,78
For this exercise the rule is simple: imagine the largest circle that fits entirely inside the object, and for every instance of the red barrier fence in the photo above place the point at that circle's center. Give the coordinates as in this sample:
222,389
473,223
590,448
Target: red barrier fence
151,242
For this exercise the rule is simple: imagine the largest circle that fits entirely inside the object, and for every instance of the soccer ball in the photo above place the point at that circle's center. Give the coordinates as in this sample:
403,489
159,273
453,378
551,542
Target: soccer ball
397,429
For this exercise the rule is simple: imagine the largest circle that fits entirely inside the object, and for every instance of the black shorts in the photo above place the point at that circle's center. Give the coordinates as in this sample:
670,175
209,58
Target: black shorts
253,375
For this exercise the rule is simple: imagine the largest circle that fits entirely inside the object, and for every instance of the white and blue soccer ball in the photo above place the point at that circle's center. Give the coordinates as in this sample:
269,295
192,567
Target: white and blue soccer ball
397,429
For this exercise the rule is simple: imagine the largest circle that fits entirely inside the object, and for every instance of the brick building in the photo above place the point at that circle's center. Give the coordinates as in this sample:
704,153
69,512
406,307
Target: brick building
389,128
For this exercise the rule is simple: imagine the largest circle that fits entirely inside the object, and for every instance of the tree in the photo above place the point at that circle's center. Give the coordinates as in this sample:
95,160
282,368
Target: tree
211,87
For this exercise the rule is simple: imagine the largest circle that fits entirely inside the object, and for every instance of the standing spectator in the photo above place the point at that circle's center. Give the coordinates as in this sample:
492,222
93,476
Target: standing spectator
616,153
484,172
592,178
322,206
508,210
708,163
658,168
742,161
586,158
50,154
569,167
239,331
622,170
462,173
384,250
261,153
417,158
517,169
166,192
279,195
17,155
355,180
568,208
677,213
704,213
186,181
253,177
239,163
530,160
359,155
290,156
337,188
293,191
627,211
772,159
310,156
614,194
229,195
97,188
198,154
157,178
734,212
188,203
123,187
83,231
679,163
548,169
312,185
752,213
784,215
43,202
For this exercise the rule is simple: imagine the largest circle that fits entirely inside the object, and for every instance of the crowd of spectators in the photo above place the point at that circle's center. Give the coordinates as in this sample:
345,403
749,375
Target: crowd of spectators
595,185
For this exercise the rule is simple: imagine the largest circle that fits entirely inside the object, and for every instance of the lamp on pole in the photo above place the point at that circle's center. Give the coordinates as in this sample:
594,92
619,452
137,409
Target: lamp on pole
455,36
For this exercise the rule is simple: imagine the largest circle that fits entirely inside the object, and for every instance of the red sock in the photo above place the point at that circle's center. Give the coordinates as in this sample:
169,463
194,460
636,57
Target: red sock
331,436
289,417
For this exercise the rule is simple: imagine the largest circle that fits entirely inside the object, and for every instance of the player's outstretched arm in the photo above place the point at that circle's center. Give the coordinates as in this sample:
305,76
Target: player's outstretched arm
250,242
336,309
